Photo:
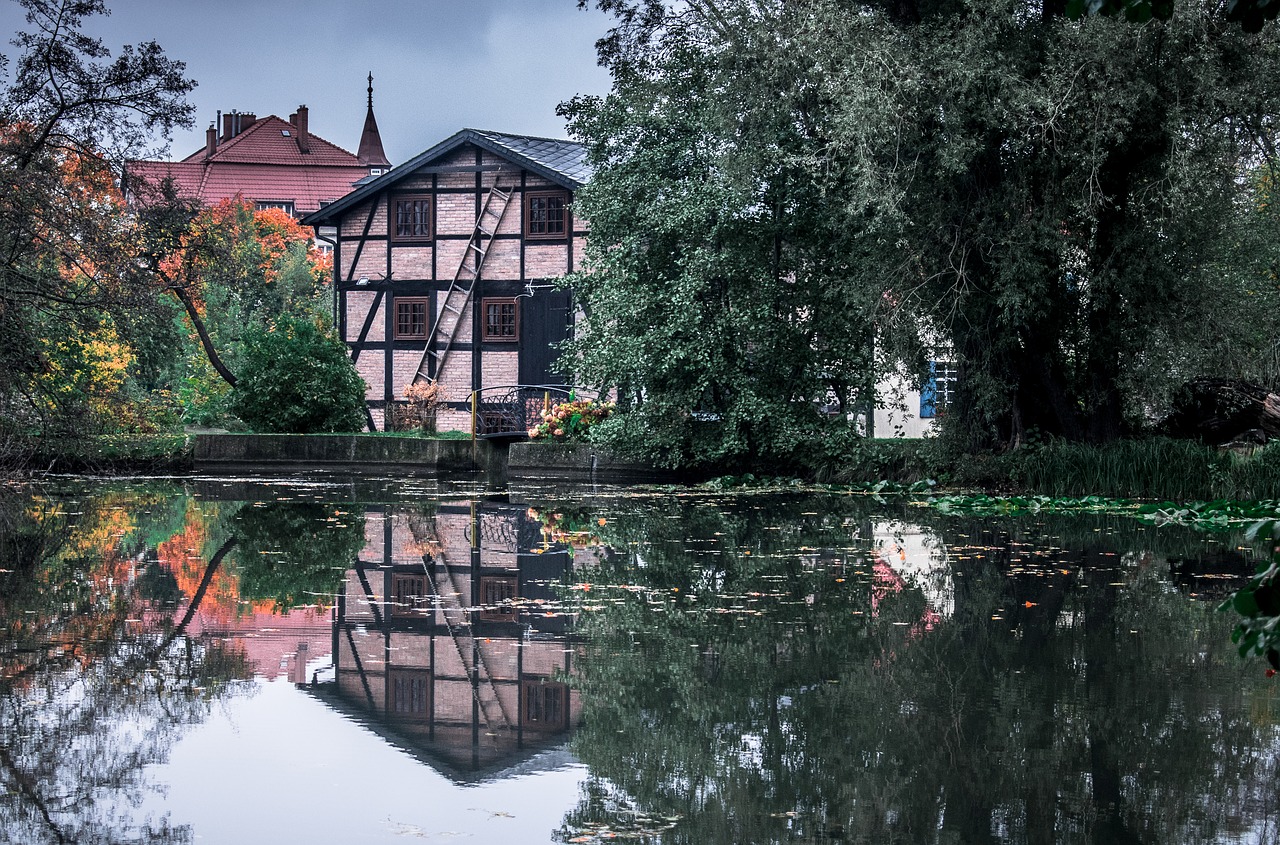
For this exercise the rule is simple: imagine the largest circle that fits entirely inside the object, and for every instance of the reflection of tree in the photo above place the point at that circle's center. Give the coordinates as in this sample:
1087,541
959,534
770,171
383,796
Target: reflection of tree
295,552
89,696
1071,696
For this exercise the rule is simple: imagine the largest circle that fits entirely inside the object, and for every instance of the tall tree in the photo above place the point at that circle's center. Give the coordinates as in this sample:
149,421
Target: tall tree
70,115
1056,201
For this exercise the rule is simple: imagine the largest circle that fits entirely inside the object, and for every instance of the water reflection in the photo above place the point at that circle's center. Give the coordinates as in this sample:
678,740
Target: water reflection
448,630
728,670
816,678
95,683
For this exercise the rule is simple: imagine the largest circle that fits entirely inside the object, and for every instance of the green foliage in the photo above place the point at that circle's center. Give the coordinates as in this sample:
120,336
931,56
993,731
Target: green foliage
1154,468
1258,602
74,298
295,552
296,376
1068,209
1250,14
703,286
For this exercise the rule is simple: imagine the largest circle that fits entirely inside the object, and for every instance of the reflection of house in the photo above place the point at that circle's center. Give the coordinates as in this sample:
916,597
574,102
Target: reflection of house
447,632
271,162
917,558
442,268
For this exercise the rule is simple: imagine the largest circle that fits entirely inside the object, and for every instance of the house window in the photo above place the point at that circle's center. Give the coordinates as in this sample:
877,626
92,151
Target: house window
408,594
546,214
545,704
496,597
410,693
411,317
284,205
501,319
939,391
412,219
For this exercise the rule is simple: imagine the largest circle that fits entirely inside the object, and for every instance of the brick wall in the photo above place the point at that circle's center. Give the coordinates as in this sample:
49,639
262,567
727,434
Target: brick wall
372,261
358,304
498,368
542,260
354,219
411,262
370,365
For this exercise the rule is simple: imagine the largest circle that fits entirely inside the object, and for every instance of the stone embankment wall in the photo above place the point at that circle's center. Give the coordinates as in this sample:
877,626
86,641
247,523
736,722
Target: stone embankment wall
291,452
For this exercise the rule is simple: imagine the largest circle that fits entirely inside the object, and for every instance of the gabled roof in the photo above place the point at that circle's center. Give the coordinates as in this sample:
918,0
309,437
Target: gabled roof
562,162
265,142
263,164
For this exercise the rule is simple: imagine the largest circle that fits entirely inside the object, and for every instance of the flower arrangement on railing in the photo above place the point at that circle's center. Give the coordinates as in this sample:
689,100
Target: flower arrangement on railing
571,420
576,529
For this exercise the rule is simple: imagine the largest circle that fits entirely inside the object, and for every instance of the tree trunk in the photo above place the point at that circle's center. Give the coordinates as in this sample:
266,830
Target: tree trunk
205,340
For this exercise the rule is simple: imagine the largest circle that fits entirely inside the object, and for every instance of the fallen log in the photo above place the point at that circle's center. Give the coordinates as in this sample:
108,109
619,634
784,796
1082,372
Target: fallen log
1217,411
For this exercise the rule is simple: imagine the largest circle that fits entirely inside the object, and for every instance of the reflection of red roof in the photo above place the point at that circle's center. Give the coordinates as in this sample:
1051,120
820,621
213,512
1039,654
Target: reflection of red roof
886,581
261,164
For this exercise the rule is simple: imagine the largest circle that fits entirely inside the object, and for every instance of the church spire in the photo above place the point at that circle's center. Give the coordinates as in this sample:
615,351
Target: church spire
370,152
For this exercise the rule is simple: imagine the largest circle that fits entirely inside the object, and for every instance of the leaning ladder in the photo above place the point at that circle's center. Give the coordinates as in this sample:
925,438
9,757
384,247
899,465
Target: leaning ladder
445,327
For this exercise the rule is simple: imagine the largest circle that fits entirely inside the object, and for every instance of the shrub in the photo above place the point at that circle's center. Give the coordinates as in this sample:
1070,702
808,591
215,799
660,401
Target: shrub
296,377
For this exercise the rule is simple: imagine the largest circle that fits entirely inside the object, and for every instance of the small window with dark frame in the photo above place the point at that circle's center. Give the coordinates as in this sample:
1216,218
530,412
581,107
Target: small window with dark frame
411,317
544,704
497,597
408,595
546,214
501,319
412,219
410,693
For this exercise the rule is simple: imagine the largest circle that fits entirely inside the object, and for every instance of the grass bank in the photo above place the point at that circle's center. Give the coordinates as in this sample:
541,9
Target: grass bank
116,454
1148,468
122,454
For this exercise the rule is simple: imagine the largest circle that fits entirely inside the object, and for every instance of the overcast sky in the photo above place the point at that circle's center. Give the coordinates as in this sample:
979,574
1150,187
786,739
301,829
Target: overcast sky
438,65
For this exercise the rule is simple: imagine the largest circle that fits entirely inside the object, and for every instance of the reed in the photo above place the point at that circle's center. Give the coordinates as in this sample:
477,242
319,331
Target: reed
1149,468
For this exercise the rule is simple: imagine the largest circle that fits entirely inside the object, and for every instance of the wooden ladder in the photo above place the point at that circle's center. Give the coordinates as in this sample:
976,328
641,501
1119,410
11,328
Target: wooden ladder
445,327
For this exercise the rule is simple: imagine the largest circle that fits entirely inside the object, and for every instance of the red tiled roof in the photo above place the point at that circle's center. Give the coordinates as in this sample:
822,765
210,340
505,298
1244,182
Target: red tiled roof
261,164
265,143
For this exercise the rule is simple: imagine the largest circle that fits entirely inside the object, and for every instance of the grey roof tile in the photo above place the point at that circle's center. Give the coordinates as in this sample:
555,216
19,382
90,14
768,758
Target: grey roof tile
563,162
567,158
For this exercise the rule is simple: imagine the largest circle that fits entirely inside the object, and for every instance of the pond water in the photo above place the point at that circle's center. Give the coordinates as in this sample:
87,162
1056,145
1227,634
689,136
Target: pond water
255,660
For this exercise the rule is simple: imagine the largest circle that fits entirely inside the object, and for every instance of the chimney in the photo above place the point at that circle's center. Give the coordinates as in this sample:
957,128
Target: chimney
300,121
210,140
234,122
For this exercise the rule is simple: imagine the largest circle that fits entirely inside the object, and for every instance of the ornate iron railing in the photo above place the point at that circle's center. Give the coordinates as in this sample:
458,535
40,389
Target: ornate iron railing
510,410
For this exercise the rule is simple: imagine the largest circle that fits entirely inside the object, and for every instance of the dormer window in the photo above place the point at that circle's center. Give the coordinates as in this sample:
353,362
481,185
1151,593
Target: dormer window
284,205
375,171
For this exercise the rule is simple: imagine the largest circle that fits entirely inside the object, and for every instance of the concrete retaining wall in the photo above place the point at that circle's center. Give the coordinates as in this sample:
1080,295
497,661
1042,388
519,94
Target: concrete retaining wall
577,461
293,452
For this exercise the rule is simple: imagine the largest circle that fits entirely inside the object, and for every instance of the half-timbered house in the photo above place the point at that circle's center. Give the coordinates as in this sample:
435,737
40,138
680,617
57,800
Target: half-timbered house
443,269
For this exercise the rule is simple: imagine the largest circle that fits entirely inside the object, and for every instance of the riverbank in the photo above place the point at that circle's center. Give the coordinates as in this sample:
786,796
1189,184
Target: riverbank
1146,468
1150,468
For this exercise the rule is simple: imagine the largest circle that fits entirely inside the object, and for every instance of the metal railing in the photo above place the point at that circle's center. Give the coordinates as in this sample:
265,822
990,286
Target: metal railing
510,410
